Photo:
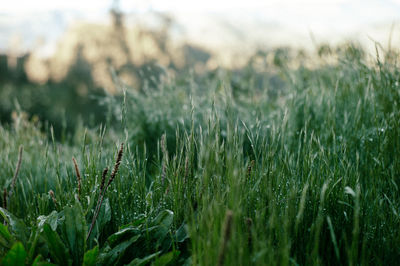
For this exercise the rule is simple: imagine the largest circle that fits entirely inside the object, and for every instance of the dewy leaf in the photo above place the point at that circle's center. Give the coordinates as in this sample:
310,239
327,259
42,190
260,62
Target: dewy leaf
164,218
165,259
58,251
32,244
18,228
104,214
116,254
160,226
40,262
102,219
145,260
122,235
15,256
181,234
90,258
5,236
51,219
75,232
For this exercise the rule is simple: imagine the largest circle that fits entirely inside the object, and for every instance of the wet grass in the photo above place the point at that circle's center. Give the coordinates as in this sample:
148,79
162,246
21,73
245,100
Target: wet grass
306,175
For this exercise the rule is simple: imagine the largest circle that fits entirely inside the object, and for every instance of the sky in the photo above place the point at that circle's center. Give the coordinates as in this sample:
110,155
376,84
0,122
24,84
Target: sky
372,9
327,18
339,14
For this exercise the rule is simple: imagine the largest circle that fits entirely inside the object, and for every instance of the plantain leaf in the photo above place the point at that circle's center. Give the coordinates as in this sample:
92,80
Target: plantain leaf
164,218
122,235
15,256
115,255
104,214
90,257
39,262
166,258
161,227
145,260
5,237
182,233
102,219
16,226
57,250
51,219
74,231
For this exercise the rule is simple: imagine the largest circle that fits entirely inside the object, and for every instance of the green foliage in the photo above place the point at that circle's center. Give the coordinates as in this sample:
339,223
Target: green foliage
309,170
90,258
74,231
15,256
135,241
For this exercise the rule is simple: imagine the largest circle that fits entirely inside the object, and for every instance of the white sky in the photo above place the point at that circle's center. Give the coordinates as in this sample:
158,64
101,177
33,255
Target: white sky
18,6
322,17
342,13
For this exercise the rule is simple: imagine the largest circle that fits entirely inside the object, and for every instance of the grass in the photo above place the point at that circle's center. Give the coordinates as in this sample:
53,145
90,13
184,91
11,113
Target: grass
217,170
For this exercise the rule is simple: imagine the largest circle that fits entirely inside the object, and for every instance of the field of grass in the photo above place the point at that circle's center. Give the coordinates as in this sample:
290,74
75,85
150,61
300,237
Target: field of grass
217,170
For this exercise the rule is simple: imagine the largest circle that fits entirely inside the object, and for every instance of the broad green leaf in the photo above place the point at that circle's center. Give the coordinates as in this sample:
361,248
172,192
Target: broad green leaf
165,259
74,230
161,227
40,262
5,237
51,219
32,244
181,234
164,218
165,244
113,256
15,256
102,219
90,257
144,261
140,219
104,214
58,251
122,235
16,226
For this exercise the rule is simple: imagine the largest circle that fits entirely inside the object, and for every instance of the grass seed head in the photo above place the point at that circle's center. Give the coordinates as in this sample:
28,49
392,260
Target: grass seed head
249,168
53,197
103,178
116,165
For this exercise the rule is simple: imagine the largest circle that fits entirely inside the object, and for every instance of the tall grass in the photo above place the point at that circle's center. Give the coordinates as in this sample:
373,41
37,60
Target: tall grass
306,175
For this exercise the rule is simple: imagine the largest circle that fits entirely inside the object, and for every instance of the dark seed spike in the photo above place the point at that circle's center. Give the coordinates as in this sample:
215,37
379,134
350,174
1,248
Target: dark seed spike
102,192
103,179
53,197
116,166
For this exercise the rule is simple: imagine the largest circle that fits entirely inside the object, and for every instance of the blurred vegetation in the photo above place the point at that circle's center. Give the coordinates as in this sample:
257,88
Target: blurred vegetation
90,62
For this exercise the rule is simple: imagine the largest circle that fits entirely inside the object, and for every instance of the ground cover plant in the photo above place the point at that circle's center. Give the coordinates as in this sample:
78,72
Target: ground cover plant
294,164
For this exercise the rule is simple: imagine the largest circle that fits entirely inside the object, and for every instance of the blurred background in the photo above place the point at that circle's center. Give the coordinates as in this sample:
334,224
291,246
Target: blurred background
59,59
